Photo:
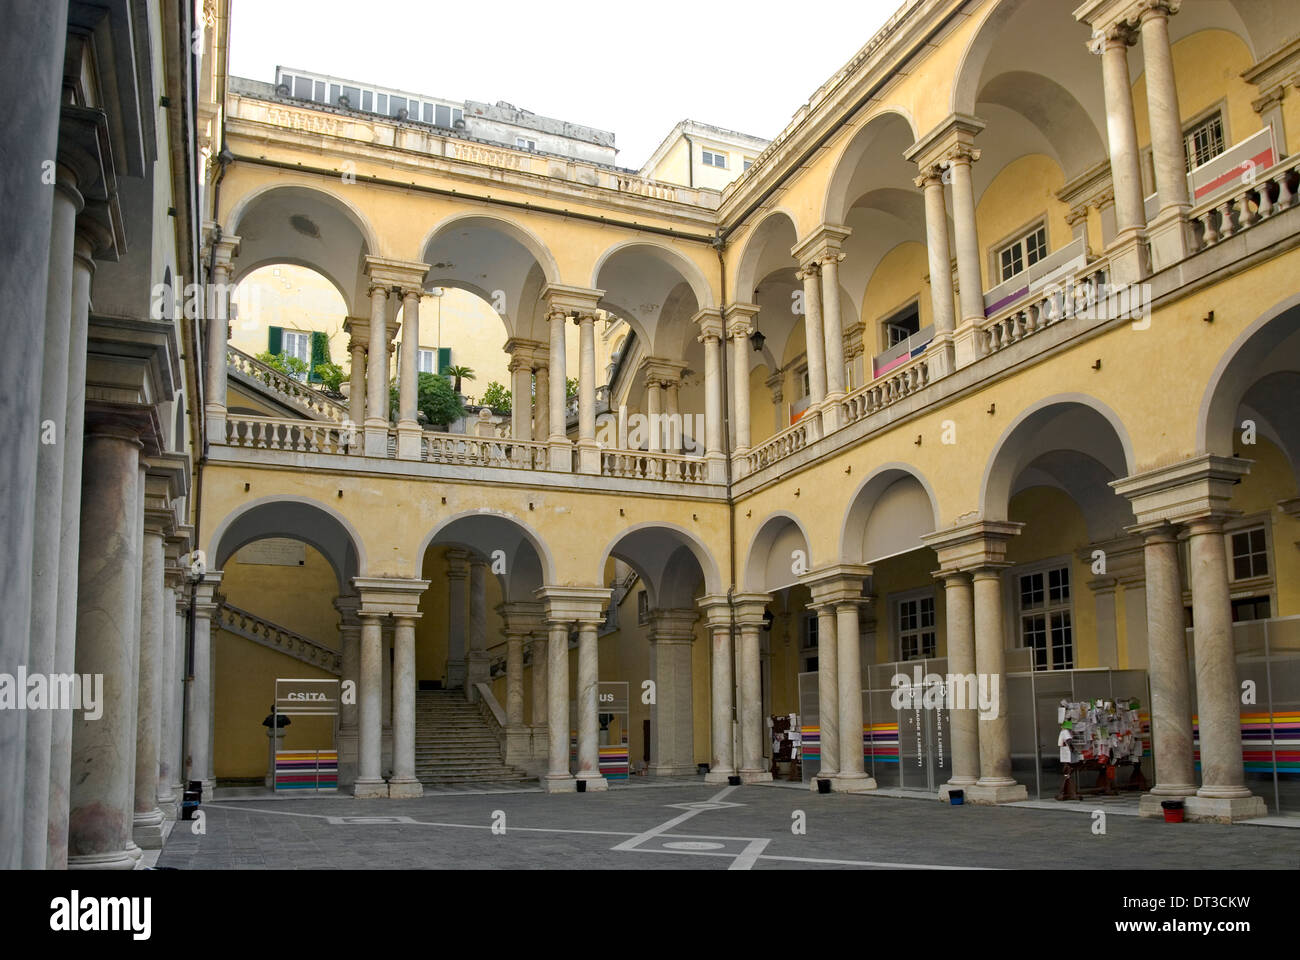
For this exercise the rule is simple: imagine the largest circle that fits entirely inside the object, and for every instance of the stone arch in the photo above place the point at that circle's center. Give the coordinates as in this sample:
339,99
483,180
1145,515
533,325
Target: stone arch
753,265
837,198
242,207
656,551
529,561
770,560
516,231
297,518
909,505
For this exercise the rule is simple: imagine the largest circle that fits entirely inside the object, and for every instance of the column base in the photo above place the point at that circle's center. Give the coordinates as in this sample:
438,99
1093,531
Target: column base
739,462
370,789
518,746
595,783
376,439
1224,809
812,784
348,761
1170,237
206,788
854,783
215,415
405,789
966,346
945,790
941,356
832,417
1149,803
455,674
409,436
1130,261
672,770
478,669
589,456
147,830
755,776
169,807
719,775
715,468
561,456
993,793
116,860
559,783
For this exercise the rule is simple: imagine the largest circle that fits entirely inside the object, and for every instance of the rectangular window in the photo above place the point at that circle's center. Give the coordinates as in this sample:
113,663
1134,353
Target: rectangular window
335,92
902,325
712,159
443,116
427,115
643,608
396,105
1250,608
354,96
1024,251
302,88
455,116
1204,141
424,362
318,93
523,144
915,626
295,344
810,631
1046,618
287,80
1249,554
381,103
745,165
367,101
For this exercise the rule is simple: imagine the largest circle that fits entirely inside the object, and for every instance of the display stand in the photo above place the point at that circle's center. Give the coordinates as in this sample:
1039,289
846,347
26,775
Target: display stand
1100,736
308,769
787,743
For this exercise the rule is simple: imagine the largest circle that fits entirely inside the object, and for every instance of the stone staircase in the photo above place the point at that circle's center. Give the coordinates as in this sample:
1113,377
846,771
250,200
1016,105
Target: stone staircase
454,744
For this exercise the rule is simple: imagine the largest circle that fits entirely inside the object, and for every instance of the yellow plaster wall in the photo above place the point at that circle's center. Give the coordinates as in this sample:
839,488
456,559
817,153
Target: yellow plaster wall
1022,192
299,598
896,281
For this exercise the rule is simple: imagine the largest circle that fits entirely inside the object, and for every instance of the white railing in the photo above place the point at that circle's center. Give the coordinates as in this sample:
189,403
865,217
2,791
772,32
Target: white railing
303,436
1049,305
898,383
793,438
644,465
270,634
461,450
286,387
1257,197
642,187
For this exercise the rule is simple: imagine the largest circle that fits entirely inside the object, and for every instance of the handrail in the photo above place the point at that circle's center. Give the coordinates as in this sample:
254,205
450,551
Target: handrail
287,387
1258,197
250,626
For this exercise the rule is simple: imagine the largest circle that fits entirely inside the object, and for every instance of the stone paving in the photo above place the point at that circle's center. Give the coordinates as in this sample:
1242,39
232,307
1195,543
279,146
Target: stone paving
696,826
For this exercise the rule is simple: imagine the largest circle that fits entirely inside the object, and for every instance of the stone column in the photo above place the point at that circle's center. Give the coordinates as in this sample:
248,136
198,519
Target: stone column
654,419
542,406
48,506
514,677
477,666
408,426
588,447
376,444
1171,710
739,330
995,785
710,324
147,830
541,685
723,765
814,334
521,406
828,694
672,743
357,390
103,747
350,646
834,328
963,723
457,571
179,690
370,781
970,286
561,455
1169,231
936,241
199,727
168,798
588,707
1223,795
558,778
218,304
852,776
1129,261
752,729
403,782
387,628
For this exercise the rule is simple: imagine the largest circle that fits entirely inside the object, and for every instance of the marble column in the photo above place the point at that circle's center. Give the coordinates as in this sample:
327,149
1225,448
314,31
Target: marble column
521,408
218,333
542,404
723,765
654,424
558,778
477,666
147,827
712,394
752,728
834,328
1171,709
963,724
103,746
350,645
940,260
199,725
561,456
180,685
357,393
1168,232
588,707
376,442
65,643
995,784
588,447
169,720
852,777
1121,131
457,572
408,427
403,782
541,686
828,694
672,742
1223,794
970,286
48,505
814,334
386,639
740,351
514,677
370,781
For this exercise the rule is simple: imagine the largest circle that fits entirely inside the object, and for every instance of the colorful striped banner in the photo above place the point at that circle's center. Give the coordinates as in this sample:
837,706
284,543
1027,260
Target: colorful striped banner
306,770
1265,739
614,762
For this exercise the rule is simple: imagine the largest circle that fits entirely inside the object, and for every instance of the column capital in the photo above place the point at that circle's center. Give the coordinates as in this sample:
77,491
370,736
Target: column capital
837,583
348,607
584,605
739,318
524,352
458,563
957,130
810,270
222,248
717,611
1179,492
661,371
562,298
404,274
972,546
672,625
825,240
750,608
709,322
521,618
381,596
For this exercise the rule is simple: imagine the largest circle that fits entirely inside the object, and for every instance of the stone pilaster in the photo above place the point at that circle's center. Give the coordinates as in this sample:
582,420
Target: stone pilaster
717,614
672,745
710,325
749,622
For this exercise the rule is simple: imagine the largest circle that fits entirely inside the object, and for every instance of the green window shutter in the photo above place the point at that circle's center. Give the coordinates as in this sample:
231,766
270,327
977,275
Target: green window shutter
444,359
320,353
274,340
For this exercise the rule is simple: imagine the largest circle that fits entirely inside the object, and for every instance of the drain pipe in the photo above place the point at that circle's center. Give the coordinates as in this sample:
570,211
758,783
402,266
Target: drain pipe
731,508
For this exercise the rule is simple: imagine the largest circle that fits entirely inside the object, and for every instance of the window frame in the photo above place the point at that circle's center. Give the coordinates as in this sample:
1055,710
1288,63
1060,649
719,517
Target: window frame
1047,609
1019,238
296,335
705,154
896,602
1215,111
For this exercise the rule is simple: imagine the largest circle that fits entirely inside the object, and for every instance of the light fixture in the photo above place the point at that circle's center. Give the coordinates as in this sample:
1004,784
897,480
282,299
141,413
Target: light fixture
757,339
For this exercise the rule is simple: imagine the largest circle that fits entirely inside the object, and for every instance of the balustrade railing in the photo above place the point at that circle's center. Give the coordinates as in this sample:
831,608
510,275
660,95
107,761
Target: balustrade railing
793,438
644,465
292,390
303,436
1083,291
881,392
1258,197
250,626
463,450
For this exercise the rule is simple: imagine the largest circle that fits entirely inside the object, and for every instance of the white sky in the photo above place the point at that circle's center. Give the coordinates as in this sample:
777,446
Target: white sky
633,68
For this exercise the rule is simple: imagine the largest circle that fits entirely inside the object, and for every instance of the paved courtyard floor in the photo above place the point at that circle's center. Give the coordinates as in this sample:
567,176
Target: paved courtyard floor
690,825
